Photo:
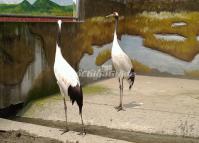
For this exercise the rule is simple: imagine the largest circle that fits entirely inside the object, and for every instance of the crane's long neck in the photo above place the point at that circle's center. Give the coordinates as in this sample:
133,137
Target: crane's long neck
59,37
116,26
58,45
116,47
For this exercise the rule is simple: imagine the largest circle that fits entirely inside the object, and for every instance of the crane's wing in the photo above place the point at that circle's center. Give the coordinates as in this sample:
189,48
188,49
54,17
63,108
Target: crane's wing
69,83
65,74
76,95
121,61
71,87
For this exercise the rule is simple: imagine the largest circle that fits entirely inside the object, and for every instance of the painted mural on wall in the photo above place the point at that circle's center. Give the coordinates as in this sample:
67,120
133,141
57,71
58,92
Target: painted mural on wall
38,7
159,43
164,43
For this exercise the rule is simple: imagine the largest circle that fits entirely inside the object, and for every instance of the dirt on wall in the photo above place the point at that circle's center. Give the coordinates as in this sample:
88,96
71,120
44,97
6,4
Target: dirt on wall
15,41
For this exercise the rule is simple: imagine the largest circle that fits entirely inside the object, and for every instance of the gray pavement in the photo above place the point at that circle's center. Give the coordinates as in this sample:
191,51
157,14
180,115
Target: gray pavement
53,133
157,105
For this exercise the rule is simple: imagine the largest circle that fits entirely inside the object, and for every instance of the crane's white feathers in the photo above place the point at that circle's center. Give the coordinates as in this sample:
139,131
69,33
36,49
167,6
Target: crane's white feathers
75,1
59,23
121,61
64,73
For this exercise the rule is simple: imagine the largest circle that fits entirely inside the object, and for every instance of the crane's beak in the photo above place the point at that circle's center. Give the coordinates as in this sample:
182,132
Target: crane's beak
110,15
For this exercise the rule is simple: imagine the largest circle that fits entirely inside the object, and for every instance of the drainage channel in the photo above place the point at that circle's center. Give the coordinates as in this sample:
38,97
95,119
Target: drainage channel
130,136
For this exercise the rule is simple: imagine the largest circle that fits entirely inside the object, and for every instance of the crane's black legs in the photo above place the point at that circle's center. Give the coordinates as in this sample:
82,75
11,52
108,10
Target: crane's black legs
65,109
83,132
120,107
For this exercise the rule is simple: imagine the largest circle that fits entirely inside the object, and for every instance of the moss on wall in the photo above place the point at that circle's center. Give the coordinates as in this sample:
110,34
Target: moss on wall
44,85
74,43
15,41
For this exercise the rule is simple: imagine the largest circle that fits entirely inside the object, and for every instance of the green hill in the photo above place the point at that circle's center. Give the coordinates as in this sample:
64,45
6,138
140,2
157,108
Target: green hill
45,5
49,7
39,8
24,6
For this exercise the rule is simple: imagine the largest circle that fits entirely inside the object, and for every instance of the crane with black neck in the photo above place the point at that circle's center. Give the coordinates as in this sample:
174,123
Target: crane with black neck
67,80
121,62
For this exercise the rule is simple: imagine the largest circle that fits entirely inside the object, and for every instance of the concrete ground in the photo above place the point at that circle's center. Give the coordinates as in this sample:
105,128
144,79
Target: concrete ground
155,105
49,135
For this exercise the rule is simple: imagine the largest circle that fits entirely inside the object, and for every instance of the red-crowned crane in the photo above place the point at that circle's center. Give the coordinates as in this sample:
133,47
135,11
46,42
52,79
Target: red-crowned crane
121,62
67,80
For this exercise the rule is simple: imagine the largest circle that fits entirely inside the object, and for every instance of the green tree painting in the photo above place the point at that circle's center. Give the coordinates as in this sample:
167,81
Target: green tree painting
37,7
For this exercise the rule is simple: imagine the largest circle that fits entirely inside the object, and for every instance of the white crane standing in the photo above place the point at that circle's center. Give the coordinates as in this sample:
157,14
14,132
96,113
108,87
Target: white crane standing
121,62
67,80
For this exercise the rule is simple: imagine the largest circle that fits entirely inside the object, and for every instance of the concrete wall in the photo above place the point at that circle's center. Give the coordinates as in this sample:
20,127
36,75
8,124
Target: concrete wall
27,49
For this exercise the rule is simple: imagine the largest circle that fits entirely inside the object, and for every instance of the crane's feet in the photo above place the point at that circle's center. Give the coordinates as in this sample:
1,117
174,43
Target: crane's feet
83,132
64,131
120,108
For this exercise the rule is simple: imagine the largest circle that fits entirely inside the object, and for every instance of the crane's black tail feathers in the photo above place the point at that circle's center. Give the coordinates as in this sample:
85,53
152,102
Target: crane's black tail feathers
76,95
131,78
